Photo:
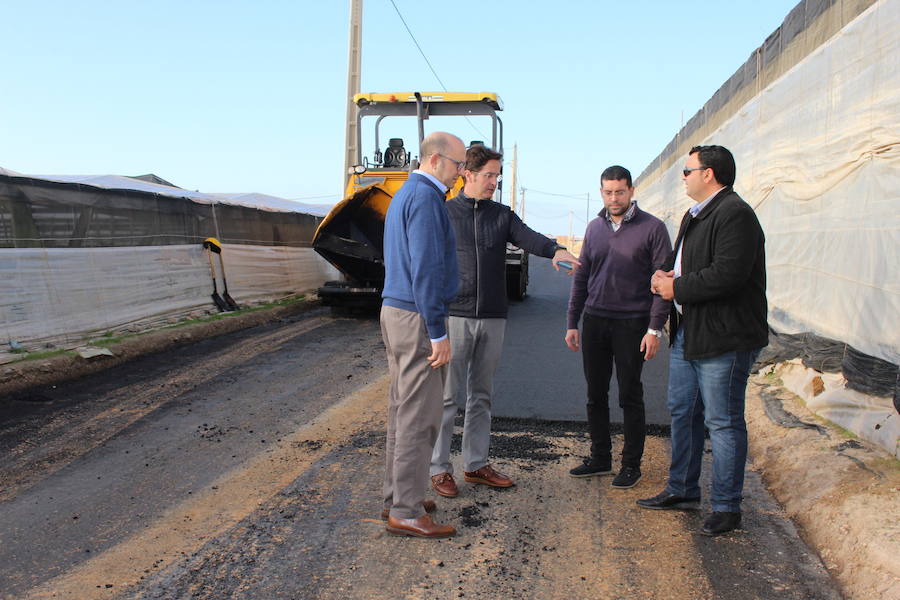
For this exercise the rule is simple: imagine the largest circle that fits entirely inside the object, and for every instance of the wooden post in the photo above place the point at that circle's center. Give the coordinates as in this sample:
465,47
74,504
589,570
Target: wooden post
353,76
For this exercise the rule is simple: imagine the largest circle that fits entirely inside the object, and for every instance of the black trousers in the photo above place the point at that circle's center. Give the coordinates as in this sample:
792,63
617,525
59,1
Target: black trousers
605,342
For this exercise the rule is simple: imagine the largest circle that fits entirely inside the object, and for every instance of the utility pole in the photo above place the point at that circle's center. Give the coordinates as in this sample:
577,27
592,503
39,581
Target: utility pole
588,213
522,208
512,186
354,60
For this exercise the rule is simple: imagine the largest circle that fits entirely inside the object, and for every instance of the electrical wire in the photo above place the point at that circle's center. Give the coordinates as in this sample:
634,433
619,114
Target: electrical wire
573,196
409,31
542,215
428,62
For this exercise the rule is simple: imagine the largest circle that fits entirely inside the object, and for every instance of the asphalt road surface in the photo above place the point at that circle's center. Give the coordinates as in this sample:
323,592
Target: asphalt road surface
249,466
540,378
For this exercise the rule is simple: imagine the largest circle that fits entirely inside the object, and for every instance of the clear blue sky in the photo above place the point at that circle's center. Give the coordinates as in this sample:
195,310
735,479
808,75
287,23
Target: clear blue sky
249,96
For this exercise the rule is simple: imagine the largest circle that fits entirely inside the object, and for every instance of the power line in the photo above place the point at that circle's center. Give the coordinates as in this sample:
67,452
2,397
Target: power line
543,215
408,30
428,62
554,217
573,196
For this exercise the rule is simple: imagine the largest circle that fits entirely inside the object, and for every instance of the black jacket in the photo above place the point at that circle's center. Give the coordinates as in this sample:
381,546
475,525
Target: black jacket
722,288
482,229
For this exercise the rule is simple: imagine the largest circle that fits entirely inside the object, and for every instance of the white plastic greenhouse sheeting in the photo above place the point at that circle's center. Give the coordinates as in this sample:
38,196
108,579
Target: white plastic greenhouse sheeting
818,158
120,182
62,295
872,418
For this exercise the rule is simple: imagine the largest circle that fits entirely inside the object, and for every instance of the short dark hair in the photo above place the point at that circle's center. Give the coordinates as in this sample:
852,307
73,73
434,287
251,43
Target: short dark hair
615,173
719,159
478,155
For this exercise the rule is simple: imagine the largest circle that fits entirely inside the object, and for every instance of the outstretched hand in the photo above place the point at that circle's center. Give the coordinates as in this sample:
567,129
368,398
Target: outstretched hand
565,255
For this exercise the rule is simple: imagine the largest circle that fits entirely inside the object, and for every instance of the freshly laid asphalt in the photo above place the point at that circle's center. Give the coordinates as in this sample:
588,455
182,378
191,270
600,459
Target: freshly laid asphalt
540,378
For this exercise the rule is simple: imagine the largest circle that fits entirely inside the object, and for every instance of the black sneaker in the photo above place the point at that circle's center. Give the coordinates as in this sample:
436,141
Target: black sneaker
627,477
590,469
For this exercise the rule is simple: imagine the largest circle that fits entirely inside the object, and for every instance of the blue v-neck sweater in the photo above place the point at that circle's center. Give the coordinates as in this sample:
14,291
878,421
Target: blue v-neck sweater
420,270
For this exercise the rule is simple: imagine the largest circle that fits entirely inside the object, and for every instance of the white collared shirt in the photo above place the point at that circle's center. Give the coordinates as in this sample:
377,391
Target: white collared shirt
433,180
694,210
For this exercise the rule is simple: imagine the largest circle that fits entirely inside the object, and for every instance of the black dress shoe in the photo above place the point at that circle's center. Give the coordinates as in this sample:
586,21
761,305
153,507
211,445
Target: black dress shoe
667,501
721,522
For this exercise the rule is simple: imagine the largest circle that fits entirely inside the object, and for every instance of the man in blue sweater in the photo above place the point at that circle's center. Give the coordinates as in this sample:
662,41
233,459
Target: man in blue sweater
420,281
623,320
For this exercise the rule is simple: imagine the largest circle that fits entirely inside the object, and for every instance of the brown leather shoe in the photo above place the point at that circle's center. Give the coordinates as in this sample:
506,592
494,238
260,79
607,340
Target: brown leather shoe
421,527
428,505
488,476
444,485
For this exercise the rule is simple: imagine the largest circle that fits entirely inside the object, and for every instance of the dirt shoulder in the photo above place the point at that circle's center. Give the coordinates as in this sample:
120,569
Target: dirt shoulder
841,492
23,375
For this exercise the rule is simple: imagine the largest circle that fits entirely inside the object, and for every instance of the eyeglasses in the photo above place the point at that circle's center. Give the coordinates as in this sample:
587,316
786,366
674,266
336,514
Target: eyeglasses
687,172
490,175
460,164
611,193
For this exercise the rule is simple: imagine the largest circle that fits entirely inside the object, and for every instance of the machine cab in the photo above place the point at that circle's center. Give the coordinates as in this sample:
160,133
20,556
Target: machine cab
351,236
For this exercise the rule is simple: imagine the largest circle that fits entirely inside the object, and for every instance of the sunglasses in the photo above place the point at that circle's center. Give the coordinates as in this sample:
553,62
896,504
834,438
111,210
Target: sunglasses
687,172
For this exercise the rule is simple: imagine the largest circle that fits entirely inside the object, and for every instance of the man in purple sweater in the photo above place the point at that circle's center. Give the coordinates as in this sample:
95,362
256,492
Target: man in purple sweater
623,321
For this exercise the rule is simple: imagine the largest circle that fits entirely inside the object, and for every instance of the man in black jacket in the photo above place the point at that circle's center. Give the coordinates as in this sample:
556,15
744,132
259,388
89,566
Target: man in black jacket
478,315
717,327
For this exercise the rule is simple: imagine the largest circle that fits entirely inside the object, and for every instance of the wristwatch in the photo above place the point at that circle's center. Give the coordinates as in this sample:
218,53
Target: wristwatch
655,332
558,247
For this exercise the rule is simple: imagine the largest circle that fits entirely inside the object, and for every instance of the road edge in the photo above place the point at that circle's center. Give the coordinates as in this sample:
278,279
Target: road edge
18,377
823,477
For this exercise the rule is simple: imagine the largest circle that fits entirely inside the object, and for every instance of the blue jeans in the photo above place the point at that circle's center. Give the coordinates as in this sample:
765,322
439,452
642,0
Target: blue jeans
708,392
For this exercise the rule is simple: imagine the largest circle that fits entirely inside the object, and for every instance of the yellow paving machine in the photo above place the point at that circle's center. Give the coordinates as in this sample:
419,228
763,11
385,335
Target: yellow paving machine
352,234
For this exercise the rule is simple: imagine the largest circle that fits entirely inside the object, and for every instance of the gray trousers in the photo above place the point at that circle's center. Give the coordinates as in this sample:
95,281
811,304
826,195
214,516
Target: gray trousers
476,345
414,411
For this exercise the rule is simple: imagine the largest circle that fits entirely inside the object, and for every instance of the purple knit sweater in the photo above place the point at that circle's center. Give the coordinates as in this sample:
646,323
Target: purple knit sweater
614,277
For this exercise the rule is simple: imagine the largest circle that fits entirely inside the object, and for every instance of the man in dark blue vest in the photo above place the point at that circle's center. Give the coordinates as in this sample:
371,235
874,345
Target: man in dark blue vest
478,316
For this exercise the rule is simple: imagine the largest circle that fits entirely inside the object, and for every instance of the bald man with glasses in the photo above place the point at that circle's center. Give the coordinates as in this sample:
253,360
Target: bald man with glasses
420,281
478,316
